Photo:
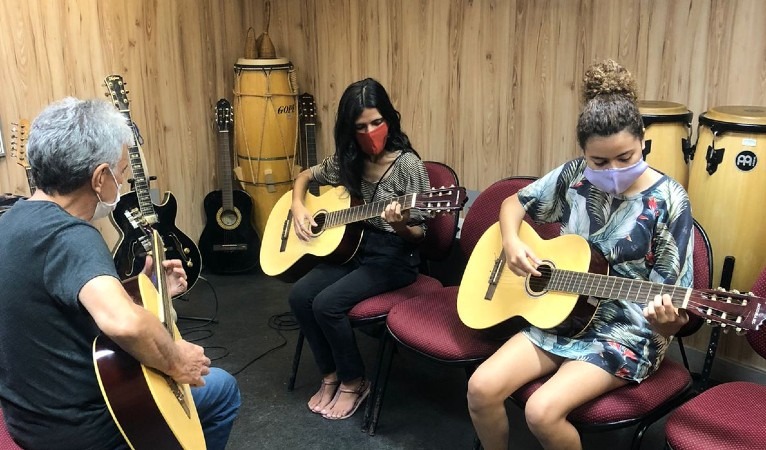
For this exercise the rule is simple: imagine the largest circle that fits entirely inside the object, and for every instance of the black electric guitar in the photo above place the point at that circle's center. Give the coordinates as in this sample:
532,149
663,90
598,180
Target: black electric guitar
228,243
150,409
135,209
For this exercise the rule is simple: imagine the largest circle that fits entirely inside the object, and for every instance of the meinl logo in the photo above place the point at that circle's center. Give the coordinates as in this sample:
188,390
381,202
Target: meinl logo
746,160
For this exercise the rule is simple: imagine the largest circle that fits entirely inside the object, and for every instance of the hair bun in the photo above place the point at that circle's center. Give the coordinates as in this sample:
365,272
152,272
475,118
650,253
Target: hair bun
609,78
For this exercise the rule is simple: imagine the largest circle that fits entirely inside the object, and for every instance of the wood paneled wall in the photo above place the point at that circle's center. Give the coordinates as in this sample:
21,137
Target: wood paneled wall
490,87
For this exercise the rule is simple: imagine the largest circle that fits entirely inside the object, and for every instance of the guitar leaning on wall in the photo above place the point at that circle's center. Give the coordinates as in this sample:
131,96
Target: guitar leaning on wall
338,233
308,142
136,210
228,243
562,299
19,134
151,409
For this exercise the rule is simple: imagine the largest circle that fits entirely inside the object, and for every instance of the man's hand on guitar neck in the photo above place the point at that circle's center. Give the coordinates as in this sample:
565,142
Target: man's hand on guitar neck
175,275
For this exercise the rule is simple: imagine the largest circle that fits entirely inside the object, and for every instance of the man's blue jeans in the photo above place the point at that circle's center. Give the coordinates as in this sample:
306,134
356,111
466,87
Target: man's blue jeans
217,404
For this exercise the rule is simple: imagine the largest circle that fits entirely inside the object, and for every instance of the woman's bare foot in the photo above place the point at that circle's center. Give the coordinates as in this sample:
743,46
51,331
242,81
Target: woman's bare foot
324,396
347,400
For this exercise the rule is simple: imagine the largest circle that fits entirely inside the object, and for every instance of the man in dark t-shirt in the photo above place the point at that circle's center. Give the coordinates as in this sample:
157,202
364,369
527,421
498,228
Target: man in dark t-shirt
59,290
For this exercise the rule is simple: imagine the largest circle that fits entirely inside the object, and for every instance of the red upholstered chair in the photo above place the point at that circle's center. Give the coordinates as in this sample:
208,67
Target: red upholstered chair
641,404
703,279
429,324
436,246
6,442
730,415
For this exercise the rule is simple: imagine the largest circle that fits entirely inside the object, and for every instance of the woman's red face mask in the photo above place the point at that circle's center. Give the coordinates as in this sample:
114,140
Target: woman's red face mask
374,142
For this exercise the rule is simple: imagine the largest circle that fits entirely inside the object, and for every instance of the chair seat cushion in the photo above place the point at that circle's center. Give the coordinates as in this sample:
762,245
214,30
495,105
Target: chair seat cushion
429,324
730,415
629,402
378,306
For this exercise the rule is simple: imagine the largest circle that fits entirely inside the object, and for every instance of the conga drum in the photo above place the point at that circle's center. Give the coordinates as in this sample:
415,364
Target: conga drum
265,131
725,184
667,137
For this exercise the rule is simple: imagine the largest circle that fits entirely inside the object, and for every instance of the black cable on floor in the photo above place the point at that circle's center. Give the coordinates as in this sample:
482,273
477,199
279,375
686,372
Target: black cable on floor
278,322
196,329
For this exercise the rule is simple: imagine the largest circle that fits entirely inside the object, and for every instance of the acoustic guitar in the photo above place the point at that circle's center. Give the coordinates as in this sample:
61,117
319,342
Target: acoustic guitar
337,236
228,244
150,409
308,141
136,210
563,299
19,135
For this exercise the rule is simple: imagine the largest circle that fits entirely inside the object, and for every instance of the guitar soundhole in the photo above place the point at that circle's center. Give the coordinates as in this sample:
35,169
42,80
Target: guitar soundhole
537,286
320,219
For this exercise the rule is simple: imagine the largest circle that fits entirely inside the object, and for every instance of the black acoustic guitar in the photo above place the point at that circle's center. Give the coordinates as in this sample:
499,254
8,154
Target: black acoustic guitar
308,141
136,210
228,243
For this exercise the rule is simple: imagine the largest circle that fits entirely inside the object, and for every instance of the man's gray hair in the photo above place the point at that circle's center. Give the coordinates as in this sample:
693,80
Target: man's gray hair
70,138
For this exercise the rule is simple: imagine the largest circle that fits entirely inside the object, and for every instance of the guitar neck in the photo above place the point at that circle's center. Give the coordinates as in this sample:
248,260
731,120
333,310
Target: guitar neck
309,132
141,182
224,164
367,211
31,181
605,286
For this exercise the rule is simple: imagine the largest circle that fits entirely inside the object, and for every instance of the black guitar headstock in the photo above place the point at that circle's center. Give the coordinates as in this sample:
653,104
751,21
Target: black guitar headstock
307,108
224,115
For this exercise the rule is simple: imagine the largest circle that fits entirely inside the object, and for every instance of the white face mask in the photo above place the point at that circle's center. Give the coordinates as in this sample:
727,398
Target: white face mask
103,208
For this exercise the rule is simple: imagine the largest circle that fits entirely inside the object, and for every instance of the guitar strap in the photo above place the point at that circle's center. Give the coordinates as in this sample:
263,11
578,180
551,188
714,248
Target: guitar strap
375,191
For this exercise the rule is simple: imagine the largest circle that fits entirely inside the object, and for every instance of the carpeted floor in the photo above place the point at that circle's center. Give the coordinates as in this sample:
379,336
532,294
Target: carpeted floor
424,407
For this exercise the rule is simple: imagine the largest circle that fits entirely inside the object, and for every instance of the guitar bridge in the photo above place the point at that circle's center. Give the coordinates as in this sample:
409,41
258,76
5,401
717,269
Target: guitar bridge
494,276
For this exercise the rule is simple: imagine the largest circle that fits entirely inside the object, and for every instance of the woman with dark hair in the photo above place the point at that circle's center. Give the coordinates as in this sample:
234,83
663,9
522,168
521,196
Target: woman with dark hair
374,161
640,220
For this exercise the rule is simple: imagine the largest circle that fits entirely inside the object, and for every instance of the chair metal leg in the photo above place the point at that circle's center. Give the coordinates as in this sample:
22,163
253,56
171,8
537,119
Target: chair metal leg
380,389
296,361
375,380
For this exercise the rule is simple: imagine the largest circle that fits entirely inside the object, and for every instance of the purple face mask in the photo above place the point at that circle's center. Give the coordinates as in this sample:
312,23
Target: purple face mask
616,181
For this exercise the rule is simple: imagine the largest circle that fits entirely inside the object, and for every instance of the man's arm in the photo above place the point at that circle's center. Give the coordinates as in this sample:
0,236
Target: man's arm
141,334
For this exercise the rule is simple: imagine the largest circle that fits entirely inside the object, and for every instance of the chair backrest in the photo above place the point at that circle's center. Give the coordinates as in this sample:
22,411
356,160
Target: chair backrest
702,260
442,228
485,210
757,339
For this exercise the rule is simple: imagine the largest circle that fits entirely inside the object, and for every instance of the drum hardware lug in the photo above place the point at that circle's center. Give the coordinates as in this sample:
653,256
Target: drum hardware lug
687,149
714,157
647,148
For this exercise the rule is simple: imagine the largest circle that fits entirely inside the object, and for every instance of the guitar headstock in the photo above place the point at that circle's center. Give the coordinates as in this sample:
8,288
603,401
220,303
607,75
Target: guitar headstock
743,312
307,108
19,135
223,115
115,89
441,200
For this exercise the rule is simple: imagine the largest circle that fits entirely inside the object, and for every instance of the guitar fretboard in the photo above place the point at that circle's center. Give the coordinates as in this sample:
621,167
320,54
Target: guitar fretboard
605,286
366,211
31,181
224,164
140,180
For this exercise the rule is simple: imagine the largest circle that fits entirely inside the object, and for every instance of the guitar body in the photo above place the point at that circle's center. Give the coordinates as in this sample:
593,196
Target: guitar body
130,253
150,409
229,243
482,306
286,256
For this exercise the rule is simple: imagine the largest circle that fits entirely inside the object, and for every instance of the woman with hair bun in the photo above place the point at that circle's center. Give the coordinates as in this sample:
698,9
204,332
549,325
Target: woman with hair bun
640,220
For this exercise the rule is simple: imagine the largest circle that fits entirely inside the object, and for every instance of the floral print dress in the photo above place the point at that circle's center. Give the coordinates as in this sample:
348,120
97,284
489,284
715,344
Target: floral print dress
646,236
